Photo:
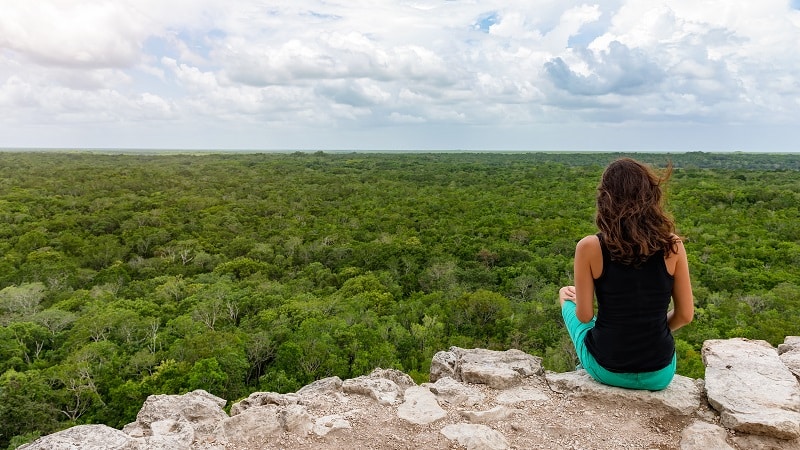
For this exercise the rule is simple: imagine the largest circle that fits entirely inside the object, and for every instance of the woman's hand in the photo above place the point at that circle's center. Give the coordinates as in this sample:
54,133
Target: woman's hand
566,293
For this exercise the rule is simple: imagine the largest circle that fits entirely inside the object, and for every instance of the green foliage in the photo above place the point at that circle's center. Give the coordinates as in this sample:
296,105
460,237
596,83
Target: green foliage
561,357
26,405
206,374
123,276
19,440
22,301
483,314
276,380
689,360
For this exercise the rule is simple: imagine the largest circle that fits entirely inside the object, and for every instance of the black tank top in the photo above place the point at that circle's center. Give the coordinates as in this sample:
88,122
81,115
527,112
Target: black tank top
631,333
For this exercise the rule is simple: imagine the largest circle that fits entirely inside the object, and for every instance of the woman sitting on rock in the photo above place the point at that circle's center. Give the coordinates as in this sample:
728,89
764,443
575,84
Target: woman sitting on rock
634,266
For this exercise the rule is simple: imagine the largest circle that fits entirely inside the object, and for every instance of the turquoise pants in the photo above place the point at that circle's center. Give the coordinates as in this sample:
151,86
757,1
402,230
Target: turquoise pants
651,381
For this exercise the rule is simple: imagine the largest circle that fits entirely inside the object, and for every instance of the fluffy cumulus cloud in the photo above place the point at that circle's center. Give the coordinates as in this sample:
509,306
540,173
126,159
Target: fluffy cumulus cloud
424,74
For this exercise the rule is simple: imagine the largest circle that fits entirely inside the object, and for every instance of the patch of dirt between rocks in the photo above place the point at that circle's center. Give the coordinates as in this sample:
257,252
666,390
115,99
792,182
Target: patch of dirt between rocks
557,422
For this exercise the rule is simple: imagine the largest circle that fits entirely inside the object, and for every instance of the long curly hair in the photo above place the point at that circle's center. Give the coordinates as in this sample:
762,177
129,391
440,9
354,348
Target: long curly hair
630,212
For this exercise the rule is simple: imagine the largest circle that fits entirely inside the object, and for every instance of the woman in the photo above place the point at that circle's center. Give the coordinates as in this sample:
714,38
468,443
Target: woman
634,265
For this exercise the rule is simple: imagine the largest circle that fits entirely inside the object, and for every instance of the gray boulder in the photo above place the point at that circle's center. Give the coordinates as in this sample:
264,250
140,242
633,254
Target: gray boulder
475,437
258,424
790,344
682,397
383,391
331,423
420,407
384,386
85,437
176,421
756,442
251,427
496,414
443,365
401,379
704,436
789,353
451,392
263,399
496,369
751,388
322,393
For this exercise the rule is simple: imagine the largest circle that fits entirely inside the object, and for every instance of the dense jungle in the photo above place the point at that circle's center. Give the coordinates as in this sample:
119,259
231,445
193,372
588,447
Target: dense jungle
124,275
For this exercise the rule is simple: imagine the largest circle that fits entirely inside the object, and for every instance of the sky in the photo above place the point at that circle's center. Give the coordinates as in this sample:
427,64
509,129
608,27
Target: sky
515,75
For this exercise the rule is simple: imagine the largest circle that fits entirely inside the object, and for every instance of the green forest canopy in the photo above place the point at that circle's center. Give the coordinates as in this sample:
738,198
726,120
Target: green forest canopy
124,275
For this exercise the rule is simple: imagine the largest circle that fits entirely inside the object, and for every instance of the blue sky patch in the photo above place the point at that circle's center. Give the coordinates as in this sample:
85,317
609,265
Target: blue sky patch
587,34
486,21
158,46
200,43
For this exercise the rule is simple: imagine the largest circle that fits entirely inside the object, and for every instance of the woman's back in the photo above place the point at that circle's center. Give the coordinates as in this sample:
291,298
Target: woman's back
631,332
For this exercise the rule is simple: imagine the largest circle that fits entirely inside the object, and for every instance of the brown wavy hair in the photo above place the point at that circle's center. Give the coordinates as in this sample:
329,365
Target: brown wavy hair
630,212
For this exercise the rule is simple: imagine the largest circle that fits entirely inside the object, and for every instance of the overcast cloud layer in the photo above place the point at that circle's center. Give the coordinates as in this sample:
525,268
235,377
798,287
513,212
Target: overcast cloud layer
680,75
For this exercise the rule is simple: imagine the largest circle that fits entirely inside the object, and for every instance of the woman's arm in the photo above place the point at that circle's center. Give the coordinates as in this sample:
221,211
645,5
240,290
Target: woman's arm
682,298
588,261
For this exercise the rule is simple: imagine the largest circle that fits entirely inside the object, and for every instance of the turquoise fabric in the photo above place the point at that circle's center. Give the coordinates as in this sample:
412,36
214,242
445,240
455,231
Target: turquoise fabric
651,381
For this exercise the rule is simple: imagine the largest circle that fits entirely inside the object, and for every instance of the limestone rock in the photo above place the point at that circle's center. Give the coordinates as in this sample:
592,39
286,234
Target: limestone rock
331,386
789,353
177,420
755,442
790,343
751,388
296,419
475,437
264,399
259,423
170,434
681,397
495,414
452,392
420,406
327,424
522,394
401,379
251,426
443,365
85,437
792,362
320,393
324,394
383,390
499,370
704,436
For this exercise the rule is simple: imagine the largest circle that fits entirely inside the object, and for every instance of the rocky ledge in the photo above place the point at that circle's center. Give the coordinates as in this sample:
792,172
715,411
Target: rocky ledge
482,399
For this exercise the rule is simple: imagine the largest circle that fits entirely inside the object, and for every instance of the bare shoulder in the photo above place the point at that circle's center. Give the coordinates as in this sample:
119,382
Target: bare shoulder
589,243
679,244
588,254
674,257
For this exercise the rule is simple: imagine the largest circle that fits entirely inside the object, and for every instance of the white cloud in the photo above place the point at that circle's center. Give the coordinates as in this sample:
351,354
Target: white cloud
72,34
252,66
712,59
